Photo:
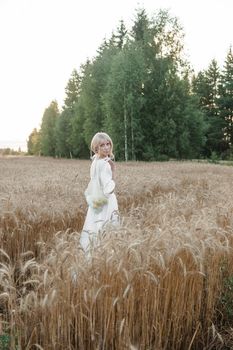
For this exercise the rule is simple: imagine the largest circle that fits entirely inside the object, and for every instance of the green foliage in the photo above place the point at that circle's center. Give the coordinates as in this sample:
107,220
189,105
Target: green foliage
205,85
4,342
226,298
34,143
48,135
140,29
228,154
226,100
137,89
72,90
168,38
214,158
93,86
162,158
80,148
121,35
147,100
63,130
62,134
215,91
123,101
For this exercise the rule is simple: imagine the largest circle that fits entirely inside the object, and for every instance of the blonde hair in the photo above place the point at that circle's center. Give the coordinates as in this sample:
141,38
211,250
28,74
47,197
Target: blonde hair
96,140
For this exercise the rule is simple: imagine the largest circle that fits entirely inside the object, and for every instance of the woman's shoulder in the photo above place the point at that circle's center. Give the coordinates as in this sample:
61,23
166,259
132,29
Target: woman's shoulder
104,164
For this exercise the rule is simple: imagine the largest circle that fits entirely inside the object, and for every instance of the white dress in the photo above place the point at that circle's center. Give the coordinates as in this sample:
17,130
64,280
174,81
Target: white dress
94,222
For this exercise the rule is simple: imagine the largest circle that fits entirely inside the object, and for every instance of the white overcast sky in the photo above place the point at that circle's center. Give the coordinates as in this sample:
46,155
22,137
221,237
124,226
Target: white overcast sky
42,41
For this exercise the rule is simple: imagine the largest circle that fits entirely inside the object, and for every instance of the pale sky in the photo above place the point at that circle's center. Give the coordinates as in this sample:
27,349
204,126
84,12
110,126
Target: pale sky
42,41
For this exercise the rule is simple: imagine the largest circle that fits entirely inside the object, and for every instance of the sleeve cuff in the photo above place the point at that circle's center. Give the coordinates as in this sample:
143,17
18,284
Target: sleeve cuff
109,188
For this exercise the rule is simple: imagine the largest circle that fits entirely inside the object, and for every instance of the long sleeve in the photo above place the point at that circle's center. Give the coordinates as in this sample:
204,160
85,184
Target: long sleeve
106,179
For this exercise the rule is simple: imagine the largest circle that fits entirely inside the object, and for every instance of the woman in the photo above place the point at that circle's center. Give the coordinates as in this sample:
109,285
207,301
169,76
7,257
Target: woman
100,196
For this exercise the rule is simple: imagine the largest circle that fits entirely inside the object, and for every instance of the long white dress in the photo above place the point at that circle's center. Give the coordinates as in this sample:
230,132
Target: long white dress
94,222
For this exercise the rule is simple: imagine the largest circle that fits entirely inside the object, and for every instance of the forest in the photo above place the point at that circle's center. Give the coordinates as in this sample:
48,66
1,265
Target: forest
141,89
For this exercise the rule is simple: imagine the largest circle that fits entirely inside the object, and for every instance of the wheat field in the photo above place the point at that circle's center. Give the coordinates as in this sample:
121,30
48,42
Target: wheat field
162,280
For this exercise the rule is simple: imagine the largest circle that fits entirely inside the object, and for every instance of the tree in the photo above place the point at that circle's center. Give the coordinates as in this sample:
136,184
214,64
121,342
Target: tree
140,30
64,122
192,139
205,85
226,101
147,100
166,90
33,143
168,38
80,147
172,115
123,101
63,134
48,137
121,35
93,85
137,89
72,90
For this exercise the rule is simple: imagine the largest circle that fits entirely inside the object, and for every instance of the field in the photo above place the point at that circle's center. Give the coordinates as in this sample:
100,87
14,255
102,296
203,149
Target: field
163,280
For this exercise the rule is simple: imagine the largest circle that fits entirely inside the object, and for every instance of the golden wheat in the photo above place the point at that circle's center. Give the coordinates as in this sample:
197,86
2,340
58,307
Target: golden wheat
156,282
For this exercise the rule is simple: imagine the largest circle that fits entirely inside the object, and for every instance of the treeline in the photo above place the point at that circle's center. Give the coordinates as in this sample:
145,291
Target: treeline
140,89
7,151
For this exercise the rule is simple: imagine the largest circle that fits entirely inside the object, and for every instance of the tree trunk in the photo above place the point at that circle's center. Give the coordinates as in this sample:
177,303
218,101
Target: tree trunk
132,135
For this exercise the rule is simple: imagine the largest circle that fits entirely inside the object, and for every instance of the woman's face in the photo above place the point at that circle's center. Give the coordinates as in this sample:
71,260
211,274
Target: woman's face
104,148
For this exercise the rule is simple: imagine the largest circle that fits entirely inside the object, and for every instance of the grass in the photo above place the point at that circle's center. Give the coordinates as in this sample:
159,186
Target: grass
162,280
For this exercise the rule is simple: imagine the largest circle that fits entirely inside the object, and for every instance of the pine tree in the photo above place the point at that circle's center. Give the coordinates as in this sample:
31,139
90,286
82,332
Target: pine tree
64,122
80,148
121,35
205,85
72,90
140,29
226,102
48,136
93,85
